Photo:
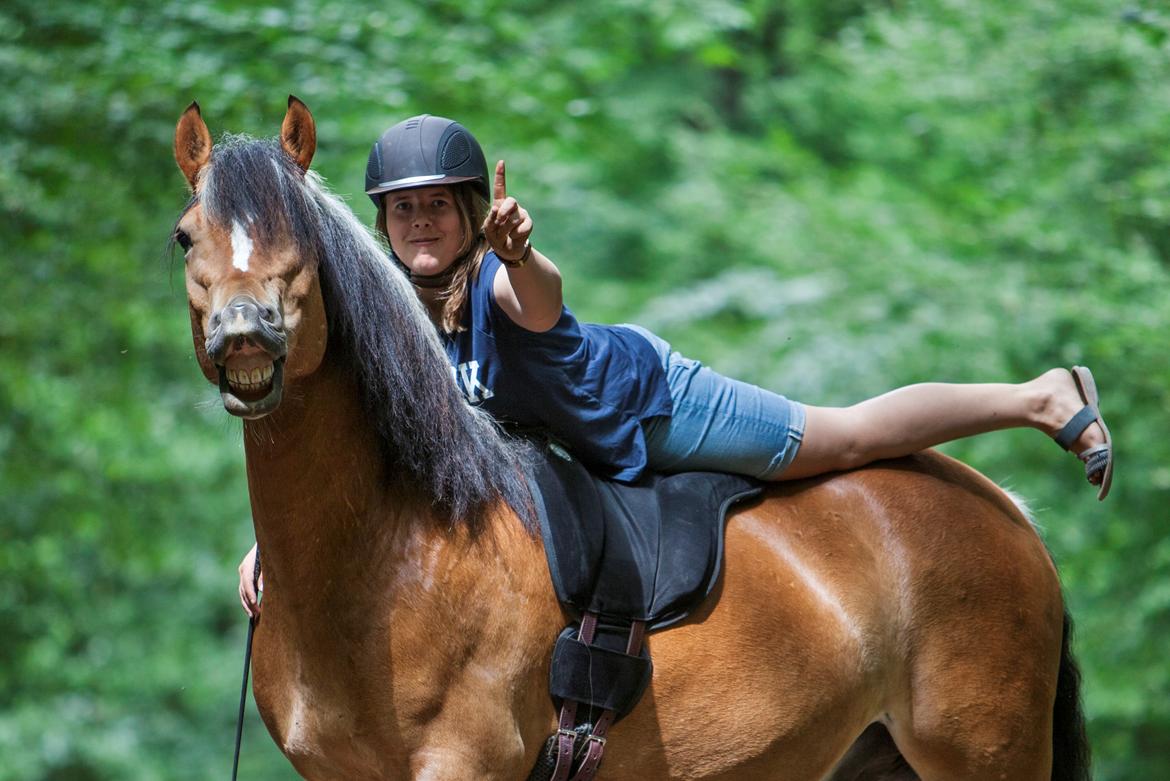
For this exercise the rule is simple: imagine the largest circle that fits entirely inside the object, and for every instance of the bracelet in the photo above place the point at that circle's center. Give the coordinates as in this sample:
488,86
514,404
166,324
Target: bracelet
520,261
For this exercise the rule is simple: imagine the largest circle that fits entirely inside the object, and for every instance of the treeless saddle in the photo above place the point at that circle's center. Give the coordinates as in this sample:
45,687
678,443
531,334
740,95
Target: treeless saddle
627,559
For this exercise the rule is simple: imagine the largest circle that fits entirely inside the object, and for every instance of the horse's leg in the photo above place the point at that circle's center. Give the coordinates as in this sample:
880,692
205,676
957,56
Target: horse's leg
979,705
459,763
477,736
1002,726
873,757
947,748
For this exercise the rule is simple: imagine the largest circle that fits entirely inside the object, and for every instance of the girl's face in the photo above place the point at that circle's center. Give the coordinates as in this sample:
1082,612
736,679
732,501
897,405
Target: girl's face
424,228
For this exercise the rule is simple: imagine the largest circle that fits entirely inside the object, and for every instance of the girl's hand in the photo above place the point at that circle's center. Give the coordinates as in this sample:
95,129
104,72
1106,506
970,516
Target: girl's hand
531,298
249,598
508,225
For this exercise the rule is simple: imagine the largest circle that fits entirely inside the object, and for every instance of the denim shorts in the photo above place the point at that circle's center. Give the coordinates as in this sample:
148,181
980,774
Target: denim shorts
719,424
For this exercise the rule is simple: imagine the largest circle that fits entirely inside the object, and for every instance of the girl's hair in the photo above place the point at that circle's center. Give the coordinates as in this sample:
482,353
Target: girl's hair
473,209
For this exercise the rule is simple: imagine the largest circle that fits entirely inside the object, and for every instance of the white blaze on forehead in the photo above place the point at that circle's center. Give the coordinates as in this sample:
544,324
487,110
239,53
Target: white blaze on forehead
241,246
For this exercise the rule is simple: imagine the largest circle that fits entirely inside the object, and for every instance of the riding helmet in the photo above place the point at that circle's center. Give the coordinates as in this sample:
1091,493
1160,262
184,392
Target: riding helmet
423,151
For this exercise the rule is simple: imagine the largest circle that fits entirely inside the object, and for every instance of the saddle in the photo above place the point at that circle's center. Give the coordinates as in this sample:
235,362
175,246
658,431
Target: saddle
625,558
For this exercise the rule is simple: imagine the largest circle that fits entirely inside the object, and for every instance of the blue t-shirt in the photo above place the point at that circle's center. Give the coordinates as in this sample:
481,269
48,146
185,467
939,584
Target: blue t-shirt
590,385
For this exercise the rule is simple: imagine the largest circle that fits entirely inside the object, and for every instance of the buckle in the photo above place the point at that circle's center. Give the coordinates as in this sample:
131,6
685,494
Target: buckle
596,739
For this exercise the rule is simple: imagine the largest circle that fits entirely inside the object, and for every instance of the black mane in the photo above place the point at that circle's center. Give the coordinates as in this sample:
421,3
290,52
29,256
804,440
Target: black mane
433,442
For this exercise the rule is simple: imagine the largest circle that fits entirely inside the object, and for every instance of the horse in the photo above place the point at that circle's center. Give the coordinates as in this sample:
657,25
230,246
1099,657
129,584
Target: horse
898,621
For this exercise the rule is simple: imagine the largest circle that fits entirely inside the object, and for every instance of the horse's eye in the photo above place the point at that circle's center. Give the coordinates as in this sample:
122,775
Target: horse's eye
184,240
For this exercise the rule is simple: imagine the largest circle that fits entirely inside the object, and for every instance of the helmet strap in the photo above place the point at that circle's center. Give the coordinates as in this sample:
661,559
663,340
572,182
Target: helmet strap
430,281
442,279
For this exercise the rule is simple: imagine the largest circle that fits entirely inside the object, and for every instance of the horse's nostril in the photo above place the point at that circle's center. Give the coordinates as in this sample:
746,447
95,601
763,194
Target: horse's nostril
215,320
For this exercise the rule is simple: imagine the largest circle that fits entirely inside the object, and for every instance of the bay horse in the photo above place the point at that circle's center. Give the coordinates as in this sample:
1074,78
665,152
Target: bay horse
899,621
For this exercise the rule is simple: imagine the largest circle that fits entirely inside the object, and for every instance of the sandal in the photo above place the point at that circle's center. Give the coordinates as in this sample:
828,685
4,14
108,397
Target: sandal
1099,458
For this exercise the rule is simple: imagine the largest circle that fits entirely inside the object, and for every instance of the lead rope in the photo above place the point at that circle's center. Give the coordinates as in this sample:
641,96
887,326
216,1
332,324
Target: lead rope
247,667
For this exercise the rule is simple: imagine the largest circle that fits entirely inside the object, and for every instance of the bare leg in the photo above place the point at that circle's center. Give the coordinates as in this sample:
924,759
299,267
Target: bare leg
916,417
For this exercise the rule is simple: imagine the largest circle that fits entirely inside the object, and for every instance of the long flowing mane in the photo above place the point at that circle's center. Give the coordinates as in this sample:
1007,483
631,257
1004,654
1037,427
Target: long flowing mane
432,441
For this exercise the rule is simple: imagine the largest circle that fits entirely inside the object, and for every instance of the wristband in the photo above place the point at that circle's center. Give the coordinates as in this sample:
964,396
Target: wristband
520,261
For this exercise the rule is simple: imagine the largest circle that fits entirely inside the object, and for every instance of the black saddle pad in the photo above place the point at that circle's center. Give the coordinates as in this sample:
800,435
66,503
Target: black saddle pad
646,551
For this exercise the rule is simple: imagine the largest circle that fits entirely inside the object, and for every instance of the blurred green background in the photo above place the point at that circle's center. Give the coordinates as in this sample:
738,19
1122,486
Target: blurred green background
828,197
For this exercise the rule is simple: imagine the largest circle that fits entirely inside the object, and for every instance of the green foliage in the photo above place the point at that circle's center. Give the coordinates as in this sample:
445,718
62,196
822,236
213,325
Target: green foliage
828,198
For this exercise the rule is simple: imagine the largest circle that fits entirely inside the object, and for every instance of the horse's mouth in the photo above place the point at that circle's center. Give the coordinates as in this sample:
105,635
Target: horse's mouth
251,392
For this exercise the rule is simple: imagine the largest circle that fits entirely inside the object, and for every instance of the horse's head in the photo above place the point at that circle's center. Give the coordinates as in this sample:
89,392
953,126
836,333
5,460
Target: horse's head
257,316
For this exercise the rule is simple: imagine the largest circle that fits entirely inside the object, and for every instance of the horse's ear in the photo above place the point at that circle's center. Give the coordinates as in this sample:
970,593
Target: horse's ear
192,144
298,133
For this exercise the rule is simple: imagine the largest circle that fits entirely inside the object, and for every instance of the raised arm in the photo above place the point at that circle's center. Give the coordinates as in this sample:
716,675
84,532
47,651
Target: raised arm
528,287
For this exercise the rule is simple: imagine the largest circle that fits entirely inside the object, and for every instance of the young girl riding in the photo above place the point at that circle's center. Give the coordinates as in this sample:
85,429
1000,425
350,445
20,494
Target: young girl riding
619,396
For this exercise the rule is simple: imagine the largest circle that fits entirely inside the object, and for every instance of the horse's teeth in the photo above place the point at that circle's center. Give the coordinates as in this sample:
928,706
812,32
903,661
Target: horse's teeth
250,379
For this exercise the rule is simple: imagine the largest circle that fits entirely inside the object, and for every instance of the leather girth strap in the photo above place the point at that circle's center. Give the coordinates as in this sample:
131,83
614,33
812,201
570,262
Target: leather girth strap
595,740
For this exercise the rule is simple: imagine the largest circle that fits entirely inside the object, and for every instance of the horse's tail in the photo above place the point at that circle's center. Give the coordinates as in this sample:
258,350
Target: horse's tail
1070,746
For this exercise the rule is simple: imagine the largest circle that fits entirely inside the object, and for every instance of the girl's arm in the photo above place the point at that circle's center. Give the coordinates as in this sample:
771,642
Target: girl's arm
530,291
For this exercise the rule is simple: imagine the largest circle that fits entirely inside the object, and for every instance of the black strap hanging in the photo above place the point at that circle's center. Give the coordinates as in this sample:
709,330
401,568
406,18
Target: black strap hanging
247,669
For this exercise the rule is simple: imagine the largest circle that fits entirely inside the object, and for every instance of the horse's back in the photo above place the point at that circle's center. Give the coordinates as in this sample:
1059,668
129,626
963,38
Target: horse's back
912,592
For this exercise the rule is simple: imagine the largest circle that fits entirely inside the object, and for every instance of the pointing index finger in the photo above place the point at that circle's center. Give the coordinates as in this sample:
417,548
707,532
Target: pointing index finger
500,191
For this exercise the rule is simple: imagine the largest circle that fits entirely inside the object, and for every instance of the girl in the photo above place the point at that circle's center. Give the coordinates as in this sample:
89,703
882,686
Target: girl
619,396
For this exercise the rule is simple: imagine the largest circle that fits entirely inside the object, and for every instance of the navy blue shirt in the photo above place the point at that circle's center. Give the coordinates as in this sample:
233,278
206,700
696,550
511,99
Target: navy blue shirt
590,385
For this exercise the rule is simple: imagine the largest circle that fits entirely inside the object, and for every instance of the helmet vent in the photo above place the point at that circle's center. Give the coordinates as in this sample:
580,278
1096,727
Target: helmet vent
456,152
374,167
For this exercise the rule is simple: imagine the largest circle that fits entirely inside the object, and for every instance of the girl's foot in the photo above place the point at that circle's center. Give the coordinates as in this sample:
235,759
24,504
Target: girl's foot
1070,415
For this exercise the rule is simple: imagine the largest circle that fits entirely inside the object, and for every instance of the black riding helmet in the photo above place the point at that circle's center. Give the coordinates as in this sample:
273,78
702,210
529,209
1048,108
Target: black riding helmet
422,151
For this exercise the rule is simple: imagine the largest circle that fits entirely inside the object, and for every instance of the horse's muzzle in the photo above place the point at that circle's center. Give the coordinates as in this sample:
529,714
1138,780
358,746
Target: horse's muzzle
248,346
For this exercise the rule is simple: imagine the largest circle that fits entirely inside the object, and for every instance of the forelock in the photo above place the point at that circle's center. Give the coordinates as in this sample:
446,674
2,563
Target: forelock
253,182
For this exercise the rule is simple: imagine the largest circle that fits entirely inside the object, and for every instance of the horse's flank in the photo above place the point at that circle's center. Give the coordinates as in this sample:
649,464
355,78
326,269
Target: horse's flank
408,615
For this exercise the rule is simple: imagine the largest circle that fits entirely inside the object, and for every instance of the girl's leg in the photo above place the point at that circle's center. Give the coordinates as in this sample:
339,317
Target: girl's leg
916,417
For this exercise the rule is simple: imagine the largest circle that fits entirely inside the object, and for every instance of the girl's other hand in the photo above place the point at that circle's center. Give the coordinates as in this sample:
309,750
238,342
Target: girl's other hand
249,597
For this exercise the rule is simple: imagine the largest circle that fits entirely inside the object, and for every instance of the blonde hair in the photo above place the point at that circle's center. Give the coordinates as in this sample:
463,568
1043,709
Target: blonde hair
473,209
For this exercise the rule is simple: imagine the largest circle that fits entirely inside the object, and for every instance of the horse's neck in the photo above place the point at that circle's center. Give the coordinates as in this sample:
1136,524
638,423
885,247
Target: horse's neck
341,540
320,499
